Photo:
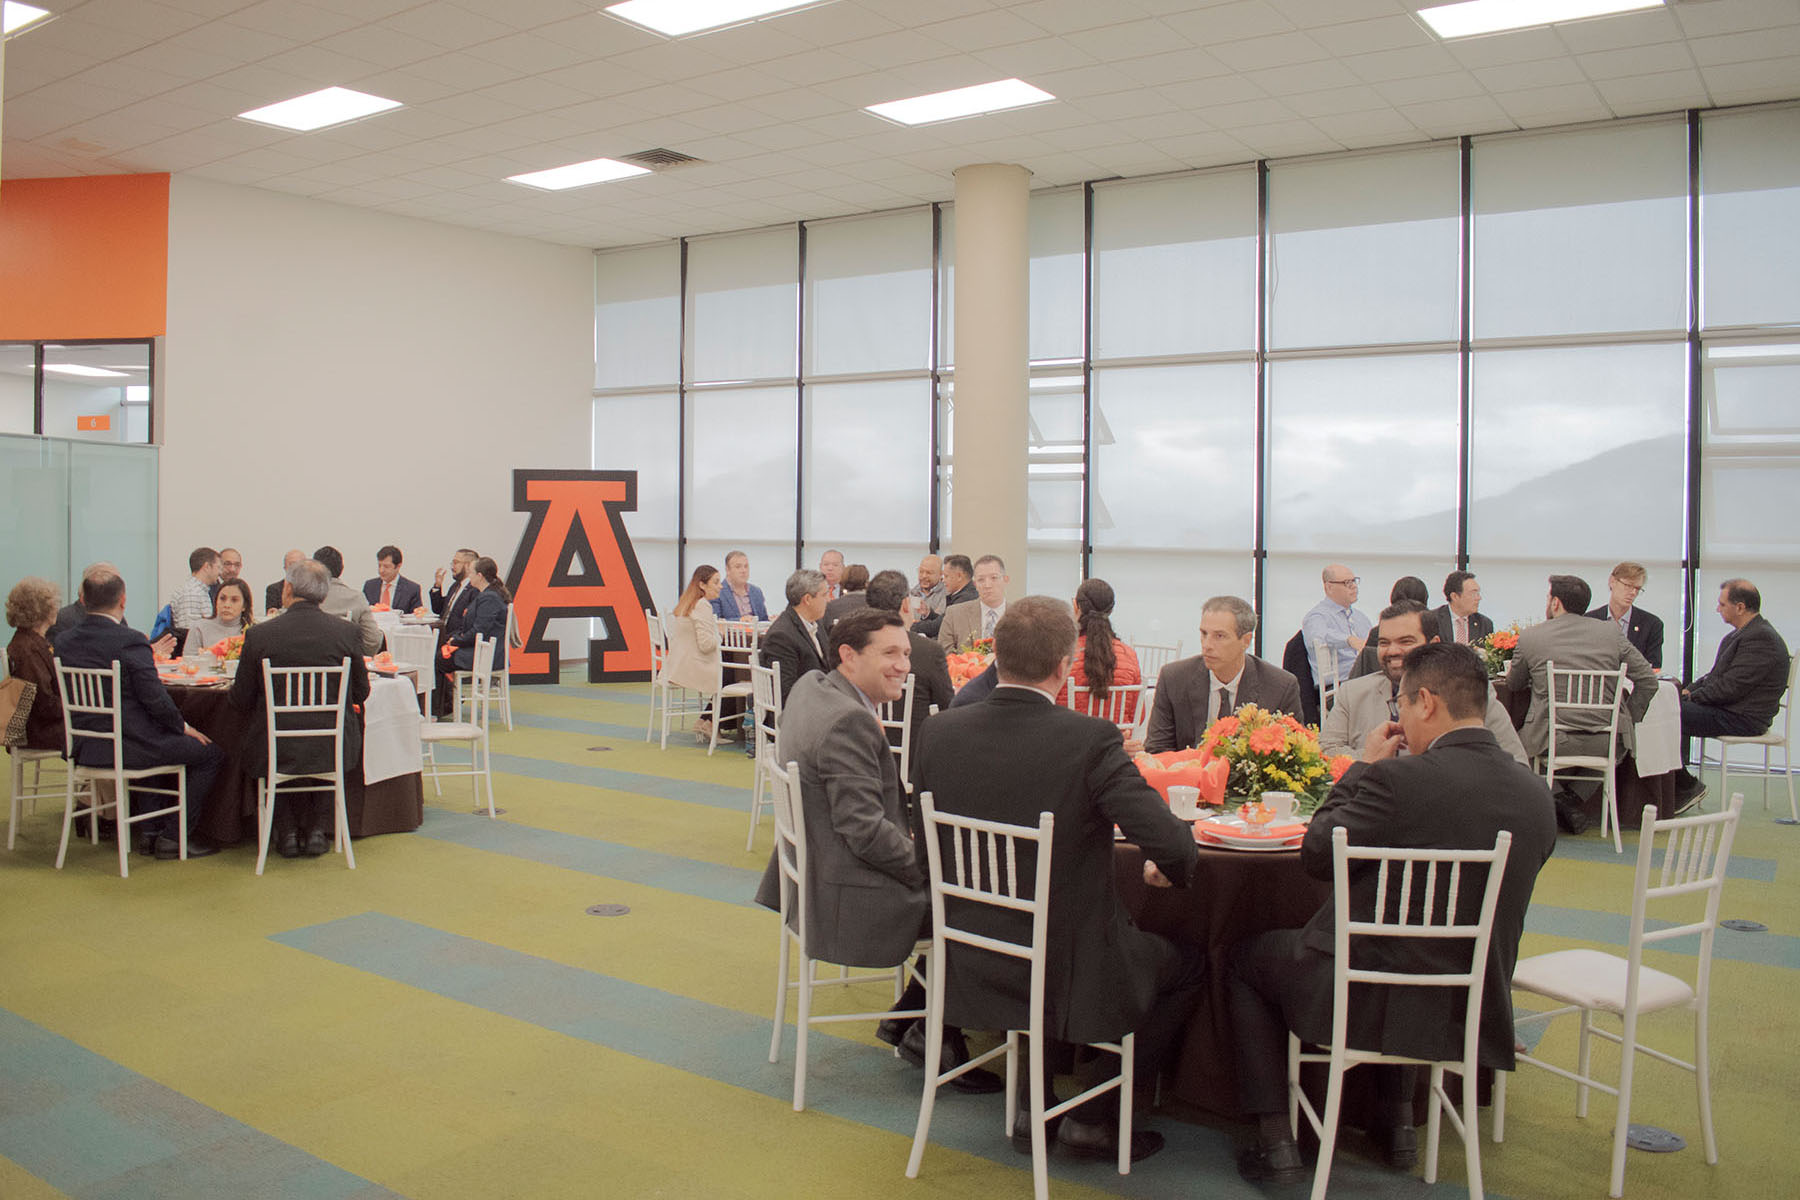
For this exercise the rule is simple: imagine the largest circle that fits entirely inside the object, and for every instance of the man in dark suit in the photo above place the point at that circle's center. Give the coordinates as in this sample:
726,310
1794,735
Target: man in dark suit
1643,630
852,597
1740,696
1455,789
305,636
389,586
1460,620
959,588
930,672
1194,692
793,639
273,593
1009,758
152,728
449,605
231,565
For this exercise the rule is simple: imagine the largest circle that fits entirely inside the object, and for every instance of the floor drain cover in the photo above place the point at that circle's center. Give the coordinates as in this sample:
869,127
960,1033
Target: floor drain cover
482,811
599,748
1657,1141
1743,926
1786,821
608,910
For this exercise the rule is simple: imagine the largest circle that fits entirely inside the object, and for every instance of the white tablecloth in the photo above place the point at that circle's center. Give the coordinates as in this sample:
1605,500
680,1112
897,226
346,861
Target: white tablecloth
390,730
1659,733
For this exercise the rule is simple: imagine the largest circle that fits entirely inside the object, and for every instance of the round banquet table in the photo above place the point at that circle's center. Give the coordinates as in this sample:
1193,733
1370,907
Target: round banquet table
392,806
1634,791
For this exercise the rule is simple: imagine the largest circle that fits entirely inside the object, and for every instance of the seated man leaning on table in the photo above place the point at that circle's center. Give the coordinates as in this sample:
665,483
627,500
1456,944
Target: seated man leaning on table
1366,705
344,601
1456,790
305,636
1008,758
1573,642
151,726
1194,692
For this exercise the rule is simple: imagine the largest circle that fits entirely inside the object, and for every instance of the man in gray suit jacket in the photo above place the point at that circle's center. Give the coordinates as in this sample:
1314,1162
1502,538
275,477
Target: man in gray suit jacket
1371,703
973,619
344,601
1188,692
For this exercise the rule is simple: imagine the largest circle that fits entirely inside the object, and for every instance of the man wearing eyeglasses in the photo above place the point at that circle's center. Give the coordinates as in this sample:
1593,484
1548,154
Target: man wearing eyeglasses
1643,630
1334,624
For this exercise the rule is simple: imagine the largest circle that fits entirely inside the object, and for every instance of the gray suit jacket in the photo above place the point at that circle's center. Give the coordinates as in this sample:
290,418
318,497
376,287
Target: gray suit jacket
1574,641
866,896
962,623
1183,688
1361,707
346,602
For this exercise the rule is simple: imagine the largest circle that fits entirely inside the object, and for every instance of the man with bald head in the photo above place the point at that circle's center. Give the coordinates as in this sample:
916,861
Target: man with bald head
928,597
272,593
1333,629
831,566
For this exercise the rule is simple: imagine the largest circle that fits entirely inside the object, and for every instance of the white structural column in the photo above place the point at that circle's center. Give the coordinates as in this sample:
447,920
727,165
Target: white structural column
993,298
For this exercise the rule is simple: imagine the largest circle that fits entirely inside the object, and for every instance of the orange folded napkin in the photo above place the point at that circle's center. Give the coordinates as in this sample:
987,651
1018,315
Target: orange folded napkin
1185,768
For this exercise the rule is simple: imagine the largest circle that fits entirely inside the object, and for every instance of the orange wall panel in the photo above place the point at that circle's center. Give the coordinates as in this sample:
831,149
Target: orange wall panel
84,258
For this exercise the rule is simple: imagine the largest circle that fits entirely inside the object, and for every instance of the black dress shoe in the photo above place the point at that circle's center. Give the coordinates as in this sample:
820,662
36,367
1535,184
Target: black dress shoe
316,844
955,1053
1279,1162
893,1031
288,844
168,848
1021,1130
1400,1146
146,844
1102,1141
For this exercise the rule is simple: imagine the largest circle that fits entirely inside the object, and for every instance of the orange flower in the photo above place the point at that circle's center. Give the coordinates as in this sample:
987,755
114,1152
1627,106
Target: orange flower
1270,739
1224,727
1338,765
1504,639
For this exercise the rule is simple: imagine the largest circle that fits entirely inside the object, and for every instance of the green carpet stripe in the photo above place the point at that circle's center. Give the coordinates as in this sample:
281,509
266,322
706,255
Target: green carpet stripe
1596,850
1614,929
97,1131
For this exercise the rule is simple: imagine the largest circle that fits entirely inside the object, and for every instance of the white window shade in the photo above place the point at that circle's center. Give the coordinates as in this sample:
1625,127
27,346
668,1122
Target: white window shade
1363,250
1057,283
1750,217
642,433
1581,232
637,316
868,462
868,294
743,299
1175,265
742,444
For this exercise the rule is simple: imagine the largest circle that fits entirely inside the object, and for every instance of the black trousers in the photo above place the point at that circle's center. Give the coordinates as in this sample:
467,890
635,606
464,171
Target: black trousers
1708,721
1275,984
202,760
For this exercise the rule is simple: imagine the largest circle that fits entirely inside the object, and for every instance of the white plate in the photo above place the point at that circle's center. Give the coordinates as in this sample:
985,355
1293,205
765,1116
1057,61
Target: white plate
1256,846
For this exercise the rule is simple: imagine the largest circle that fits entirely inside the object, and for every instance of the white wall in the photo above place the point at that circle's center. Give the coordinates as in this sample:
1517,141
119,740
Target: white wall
336,375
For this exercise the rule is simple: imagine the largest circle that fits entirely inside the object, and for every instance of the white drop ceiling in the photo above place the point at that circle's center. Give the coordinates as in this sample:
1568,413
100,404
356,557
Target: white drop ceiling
775,108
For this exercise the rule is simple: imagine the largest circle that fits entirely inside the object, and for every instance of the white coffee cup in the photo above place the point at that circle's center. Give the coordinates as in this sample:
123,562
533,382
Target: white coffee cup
1280,804
1184,802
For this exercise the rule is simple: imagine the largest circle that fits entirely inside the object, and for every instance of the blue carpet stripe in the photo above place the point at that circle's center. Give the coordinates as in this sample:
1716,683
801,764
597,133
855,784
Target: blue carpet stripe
688,791
845,1079
570,725
97,1131
1614,929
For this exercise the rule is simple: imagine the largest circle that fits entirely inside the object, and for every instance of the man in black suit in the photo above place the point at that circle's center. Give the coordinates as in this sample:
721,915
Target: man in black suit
793,639
306,636
1460,620
930,672
1194,692
959,588
389,586
1008,759
231,565
152,728
1454,789
1643,630
1740,696
450,605
273,593
72,614
852,596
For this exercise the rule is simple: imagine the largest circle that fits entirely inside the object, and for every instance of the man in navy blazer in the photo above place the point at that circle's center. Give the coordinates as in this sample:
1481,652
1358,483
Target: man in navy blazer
1643,630
389,587
1460,619
151,727
739,598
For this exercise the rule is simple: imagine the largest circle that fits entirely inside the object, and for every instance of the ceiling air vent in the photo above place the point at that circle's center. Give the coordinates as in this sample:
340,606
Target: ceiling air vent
660,159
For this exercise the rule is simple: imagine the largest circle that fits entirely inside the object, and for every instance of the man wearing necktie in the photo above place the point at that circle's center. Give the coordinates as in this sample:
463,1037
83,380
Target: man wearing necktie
972,619
831,566
1192,693
1460,620
389,587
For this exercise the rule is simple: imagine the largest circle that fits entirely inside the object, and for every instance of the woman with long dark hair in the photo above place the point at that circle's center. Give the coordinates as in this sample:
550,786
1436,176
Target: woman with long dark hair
694,661
1102,660
231,616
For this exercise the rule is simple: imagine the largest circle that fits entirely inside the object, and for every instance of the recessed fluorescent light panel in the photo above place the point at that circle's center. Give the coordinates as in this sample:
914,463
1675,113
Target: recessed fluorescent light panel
581,174
319,110
998,96
84,372
676,18
15,16
1495,16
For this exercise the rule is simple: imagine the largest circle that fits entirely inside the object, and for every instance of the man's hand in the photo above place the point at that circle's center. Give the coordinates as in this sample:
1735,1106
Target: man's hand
1357,643
447,651
1154,877
196,735
439,583
1384,741
1134,746
163,645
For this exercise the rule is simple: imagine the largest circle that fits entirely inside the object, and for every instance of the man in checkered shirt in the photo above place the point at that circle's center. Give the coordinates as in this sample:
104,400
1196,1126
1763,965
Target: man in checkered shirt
192,601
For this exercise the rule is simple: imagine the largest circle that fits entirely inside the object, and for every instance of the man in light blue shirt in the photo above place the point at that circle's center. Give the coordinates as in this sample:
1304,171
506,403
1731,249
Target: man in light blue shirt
1334,622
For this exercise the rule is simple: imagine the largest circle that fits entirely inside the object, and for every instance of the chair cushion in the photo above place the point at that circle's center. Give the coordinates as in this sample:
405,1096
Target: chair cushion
1766,738
1596,980
449,731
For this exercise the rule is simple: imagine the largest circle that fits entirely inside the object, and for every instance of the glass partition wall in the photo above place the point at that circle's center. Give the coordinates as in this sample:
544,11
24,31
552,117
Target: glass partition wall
1514,354
93,391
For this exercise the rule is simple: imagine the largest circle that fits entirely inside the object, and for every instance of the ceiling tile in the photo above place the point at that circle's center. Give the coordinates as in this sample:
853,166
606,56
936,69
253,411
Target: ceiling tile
1203,94
297,22
1303,77
1333,101
1027,60
1664,92
1636,60
382,46
1782,42
1739,16
1498,49
1176,67
1554,105
1286,138
1616,33
440,23
1395,32
1745,83
982,31
1076,16
529,54
1384,65
1280,50
1451,85
1379,124
1205,149
1230,22
1515,77
1449,118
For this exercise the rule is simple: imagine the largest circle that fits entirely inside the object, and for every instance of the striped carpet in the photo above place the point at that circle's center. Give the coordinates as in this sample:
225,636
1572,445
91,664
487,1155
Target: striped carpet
448,1021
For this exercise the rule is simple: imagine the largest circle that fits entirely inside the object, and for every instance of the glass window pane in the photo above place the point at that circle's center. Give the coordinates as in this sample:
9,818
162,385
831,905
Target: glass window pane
91,392
1175,265
1055,233
1750,194
1581,232
1750,464
18,388
742,444
1362,454
868,294
743,293
1364,249
868,462
637,316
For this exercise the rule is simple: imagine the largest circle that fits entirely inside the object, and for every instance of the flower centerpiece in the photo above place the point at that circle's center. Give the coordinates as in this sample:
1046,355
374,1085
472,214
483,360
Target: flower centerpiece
1272,752
227,649
969,660
1496,649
